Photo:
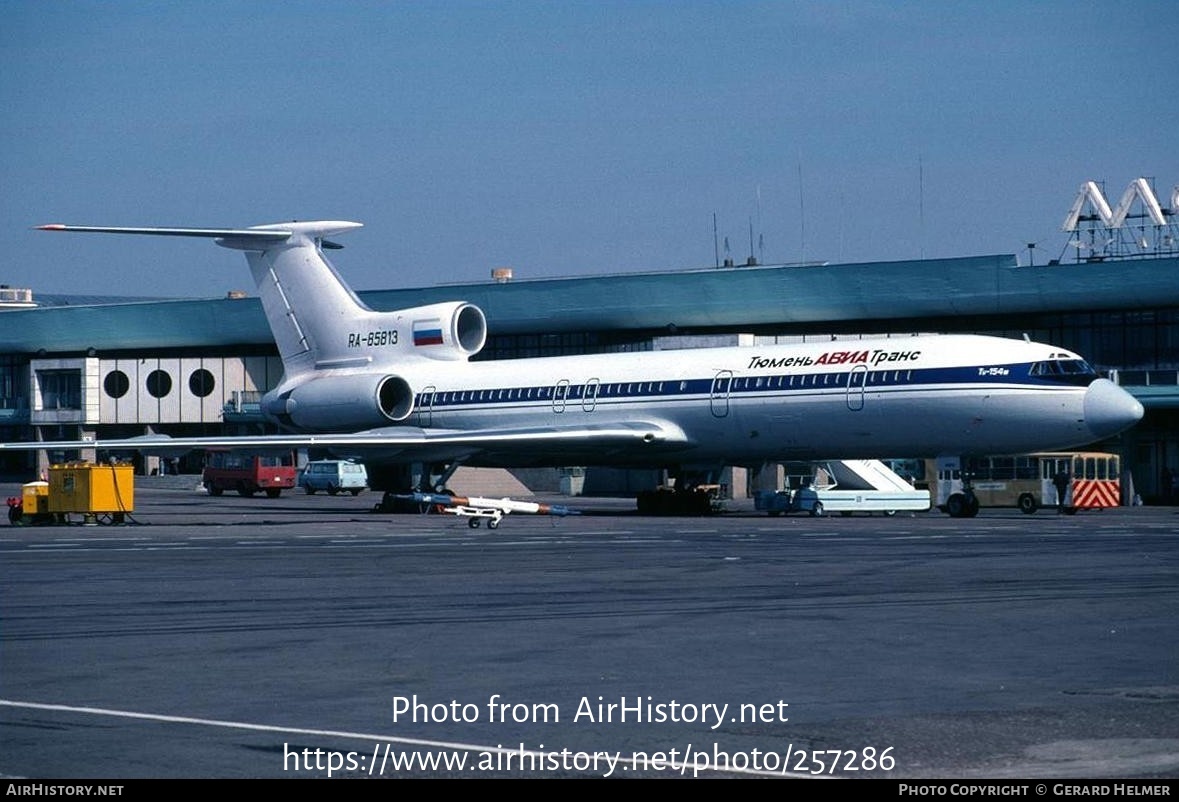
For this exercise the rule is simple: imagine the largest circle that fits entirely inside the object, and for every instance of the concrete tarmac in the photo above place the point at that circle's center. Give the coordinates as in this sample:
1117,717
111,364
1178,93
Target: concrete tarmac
306,636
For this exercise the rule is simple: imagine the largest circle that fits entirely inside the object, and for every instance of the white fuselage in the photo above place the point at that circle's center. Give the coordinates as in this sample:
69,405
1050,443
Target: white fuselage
913,396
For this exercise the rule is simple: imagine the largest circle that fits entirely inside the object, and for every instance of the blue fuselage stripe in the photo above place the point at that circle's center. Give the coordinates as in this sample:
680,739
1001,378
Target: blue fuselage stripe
724,385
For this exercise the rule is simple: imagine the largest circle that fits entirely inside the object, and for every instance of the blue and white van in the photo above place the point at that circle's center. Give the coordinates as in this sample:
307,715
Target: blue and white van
333,476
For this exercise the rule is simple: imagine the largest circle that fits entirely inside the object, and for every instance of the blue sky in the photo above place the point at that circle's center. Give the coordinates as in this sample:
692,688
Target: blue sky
566,138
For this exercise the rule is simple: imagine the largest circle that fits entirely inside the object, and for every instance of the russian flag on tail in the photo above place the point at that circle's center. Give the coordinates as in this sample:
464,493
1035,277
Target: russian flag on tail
427,332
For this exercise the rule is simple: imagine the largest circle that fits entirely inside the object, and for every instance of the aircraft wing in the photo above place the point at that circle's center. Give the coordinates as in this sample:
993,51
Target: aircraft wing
535,444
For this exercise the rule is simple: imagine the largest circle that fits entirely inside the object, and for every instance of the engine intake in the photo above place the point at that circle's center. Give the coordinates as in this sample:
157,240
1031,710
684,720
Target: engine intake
448,331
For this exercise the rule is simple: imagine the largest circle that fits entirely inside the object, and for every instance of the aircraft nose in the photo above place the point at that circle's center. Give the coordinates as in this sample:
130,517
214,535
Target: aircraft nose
1109,409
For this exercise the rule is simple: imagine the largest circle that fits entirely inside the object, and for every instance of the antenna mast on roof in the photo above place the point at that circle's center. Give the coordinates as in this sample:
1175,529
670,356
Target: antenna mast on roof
715,245
920,204
801,215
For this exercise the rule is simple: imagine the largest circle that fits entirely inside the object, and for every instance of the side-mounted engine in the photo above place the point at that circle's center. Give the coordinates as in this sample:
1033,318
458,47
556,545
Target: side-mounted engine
450,331
335,403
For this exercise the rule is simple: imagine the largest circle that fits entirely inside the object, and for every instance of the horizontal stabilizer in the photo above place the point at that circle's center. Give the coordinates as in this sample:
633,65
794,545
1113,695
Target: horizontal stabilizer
253,238
211,233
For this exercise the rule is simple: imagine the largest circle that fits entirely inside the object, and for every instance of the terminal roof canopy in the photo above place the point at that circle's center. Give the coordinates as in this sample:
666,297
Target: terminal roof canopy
712,299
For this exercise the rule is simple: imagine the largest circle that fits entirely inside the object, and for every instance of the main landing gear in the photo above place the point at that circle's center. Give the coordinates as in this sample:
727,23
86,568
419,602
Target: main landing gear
692,493
962,505
397,481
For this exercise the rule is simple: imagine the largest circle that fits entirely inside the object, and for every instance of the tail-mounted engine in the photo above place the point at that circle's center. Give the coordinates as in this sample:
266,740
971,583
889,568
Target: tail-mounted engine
452,331
343,403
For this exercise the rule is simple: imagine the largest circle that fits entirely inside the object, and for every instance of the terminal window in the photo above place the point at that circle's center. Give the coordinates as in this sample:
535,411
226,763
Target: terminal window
60,389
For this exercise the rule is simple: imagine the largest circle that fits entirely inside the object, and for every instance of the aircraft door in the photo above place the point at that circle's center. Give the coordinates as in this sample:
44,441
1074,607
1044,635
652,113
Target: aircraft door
560,395
426,406
855,387
589,399
718,397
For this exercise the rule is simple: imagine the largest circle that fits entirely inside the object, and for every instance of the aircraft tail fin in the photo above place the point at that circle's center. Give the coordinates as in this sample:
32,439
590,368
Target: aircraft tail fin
317,321
308,306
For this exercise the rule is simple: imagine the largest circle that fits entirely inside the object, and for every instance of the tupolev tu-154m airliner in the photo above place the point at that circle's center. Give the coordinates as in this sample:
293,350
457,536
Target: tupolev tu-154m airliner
396,389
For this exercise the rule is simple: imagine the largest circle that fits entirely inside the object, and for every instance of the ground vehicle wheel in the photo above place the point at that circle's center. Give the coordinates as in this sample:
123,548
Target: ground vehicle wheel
473,523
214,490
273,492
309,490
972,506
1027,504
817,510
244,491
355,491
493,524
889,513
332,490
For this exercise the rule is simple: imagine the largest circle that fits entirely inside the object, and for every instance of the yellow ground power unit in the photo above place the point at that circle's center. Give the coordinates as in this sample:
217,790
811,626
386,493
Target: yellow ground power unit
91,489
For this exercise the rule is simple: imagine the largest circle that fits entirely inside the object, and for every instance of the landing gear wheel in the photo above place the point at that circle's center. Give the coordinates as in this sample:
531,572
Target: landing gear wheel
961,505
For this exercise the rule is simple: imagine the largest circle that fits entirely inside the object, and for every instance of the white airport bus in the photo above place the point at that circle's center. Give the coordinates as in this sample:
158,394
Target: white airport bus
1029,482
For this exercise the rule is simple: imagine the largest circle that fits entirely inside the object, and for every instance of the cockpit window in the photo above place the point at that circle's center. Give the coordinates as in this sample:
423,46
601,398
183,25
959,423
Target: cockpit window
1070,371
1076,367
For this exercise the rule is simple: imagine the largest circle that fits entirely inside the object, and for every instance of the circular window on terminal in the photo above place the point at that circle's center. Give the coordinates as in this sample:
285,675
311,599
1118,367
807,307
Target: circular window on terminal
116,384
201,383
159,383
